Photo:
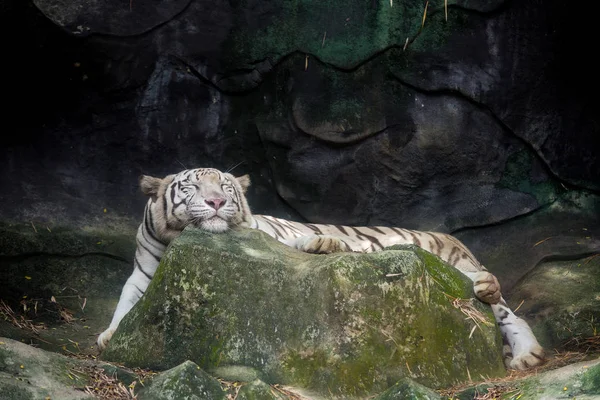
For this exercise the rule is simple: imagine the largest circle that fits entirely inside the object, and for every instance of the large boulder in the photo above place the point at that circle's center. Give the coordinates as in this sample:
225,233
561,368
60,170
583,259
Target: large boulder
29,373
348,323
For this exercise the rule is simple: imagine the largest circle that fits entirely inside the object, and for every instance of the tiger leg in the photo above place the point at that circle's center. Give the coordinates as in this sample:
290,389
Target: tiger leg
523,350
133,289
321,244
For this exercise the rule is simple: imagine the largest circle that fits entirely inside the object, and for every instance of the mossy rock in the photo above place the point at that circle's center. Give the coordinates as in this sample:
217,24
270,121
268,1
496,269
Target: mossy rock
407,389
580,381
186,381
258,390
346,324
30,373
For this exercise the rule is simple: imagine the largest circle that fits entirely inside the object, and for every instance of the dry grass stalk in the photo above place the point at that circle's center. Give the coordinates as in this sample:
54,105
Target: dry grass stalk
519,306
542,241
143,374
506,385
466,307
107,387
495,392
424,15
589,344
287,393
19,321
232,388
64,313
560,359
446,9
104,386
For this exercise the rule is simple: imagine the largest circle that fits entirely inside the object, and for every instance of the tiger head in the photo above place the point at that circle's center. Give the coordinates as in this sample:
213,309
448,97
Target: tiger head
204,197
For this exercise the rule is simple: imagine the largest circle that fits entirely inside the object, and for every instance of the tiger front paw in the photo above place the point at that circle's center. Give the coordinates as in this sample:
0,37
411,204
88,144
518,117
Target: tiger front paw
487,287
104,338
322,244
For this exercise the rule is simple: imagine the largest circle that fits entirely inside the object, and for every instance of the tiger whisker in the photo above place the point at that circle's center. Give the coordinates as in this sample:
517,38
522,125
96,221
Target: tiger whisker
234,167
181,164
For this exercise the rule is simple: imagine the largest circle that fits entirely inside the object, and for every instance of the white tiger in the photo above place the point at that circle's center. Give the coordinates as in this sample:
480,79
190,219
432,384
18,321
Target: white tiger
215,201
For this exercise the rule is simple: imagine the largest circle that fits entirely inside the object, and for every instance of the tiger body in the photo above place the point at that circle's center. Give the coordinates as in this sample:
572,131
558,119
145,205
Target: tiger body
215,201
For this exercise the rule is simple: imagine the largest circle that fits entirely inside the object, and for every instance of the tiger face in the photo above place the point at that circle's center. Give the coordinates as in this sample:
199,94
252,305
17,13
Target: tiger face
206,198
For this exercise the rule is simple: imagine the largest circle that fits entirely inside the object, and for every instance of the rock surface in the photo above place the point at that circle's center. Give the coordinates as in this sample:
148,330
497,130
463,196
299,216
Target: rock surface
30,373
258,390
563,302
345,324
580,381
409,390
468,129
185,381
64,283
576,381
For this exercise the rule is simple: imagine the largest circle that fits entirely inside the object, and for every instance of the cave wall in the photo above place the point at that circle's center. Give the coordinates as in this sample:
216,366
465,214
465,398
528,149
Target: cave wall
482,124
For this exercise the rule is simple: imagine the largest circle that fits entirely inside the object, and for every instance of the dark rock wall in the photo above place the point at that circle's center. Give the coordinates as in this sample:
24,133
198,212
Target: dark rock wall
483,124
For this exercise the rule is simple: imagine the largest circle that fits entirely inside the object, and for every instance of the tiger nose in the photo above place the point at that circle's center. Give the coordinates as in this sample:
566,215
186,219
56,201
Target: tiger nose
216,202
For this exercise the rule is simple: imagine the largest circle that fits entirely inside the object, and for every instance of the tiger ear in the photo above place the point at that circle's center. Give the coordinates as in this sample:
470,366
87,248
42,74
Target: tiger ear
244,182
151,186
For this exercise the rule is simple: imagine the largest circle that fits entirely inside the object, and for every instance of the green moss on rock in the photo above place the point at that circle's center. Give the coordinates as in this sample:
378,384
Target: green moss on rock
345,324
575,381
186,381
518,176
407,389
590,379
10,391
258,390
30,373
579,381
355,30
